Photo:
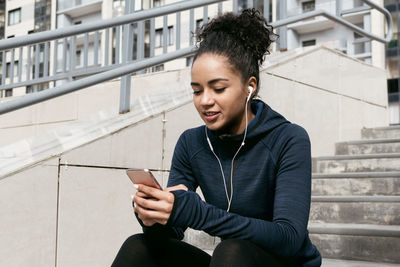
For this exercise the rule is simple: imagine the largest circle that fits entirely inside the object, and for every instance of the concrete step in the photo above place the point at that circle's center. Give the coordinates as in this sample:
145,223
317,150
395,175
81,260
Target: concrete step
365,242
380,210
373,146
347,263
381,132
201,240
357,163
369,183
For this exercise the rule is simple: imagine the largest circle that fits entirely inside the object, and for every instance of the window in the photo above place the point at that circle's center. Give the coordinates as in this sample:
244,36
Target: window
29,89
159,37
308,6
9,92
78,22
78,57
42,15
157,3
14,16
359,48
158,68
11,36
36,88
170,38
308,43
8,69
118,3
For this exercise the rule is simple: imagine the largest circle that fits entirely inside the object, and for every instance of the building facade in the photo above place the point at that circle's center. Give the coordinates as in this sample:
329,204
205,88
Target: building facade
29,16
393,63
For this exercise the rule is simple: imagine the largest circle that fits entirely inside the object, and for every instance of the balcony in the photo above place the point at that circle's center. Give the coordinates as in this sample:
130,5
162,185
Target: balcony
79,8
320,23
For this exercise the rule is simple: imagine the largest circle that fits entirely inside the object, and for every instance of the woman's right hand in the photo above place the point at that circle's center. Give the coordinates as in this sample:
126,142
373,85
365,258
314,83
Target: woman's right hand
153,205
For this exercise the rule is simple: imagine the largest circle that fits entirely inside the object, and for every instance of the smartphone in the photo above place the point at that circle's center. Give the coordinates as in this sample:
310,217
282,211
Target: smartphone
143,176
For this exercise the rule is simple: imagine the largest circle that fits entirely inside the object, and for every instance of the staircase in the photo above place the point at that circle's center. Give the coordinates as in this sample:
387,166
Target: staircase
355,210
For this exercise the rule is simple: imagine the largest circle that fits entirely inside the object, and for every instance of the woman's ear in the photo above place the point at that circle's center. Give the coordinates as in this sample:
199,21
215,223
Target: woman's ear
253,83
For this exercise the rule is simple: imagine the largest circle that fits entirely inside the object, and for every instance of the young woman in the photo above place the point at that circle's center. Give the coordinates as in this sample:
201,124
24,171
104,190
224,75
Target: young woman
252,165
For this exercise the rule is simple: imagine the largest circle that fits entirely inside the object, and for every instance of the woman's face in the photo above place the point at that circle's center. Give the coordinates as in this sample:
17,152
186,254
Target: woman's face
219,94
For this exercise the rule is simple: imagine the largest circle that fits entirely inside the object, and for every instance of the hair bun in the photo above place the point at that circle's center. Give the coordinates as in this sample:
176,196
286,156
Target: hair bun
249,28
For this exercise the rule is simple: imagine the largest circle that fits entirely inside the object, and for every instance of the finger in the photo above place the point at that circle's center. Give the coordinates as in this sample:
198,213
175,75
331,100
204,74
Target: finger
155,193
176,187
142,195
151,204
148,215
146,221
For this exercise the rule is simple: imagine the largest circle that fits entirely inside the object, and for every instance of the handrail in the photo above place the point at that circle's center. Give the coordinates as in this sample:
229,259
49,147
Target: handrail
107,23
180,6
119,71
92,80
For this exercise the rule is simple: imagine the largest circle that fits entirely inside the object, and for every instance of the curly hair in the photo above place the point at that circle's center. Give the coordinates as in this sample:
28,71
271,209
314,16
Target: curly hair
244,39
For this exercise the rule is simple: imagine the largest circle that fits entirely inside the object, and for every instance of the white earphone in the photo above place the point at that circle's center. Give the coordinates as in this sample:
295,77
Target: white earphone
229,198
251,91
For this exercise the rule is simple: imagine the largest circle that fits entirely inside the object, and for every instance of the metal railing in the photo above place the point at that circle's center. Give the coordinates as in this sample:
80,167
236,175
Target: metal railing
106,47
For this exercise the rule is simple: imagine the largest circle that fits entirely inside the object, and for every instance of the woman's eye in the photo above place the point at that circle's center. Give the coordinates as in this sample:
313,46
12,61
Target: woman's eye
197,92
219,90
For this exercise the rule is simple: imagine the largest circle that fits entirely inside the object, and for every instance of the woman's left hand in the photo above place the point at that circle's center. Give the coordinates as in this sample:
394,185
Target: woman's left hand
154,205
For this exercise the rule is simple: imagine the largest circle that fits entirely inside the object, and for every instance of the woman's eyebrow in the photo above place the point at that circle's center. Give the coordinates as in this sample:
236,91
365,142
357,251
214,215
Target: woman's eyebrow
209,82
217,80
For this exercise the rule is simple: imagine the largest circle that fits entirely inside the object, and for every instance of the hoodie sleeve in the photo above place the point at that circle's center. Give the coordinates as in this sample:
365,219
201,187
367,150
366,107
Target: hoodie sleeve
285,234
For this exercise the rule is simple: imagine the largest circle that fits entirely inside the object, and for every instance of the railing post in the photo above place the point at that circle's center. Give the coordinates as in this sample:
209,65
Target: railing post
338,8
282,14
266,10
125,89
398,53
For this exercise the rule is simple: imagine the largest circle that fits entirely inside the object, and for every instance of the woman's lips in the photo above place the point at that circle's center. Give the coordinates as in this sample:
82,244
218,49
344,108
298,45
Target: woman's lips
211,115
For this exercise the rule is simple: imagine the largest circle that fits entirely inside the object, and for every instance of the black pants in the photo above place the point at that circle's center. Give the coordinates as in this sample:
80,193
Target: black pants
139,251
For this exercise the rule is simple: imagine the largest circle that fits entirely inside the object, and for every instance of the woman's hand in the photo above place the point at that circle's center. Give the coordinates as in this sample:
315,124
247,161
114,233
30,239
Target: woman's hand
154,205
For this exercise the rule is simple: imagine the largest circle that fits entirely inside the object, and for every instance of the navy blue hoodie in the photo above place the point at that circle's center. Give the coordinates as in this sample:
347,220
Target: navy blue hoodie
271,185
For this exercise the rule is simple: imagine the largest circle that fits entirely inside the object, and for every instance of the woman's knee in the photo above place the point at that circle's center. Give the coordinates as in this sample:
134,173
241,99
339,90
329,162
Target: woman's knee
134,252
133,241
234,252
228,253
229,246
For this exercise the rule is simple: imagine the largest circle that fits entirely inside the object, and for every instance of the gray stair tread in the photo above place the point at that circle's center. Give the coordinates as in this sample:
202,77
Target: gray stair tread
352,198
354,229
372,141
360,156
394,127
348,263
356,175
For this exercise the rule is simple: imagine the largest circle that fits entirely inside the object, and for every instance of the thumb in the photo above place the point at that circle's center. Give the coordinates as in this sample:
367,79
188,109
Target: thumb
176,187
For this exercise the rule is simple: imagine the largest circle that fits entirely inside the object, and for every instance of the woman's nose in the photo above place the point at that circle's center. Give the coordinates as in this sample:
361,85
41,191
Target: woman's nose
207,98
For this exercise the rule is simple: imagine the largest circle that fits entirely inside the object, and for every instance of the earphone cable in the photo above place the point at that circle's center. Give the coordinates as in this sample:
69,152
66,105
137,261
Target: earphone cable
229,198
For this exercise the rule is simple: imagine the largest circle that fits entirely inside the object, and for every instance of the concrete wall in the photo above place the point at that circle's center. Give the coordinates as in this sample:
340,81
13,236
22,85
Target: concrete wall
75,209
331,95
71,211
36,119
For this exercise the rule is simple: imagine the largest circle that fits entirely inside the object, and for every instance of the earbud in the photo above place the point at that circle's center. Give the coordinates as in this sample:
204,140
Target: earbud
251,91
